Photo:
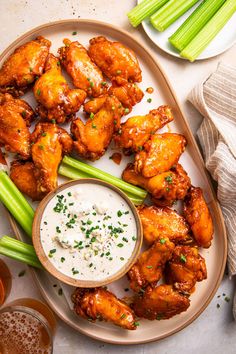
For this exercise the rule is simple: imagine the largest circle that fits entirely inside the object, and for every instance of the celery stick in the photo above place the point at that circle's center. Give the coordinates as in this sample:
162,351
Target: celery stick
208,33
194,23
143,10
17,206
136,200
5,179
16,245
73,173
170,12
19,252
96,173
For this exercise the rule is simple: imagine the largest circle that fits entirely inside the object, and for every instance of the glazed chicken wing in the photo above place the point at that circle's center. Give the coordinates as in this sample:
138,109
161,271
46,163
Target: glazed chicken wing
128,94
84,73
101,304
160,153
185,268
116,61
24,66
199,217
15,117
49,144
23,175
162,222
56,100
136,131
160,303
150,264
93,137
165,188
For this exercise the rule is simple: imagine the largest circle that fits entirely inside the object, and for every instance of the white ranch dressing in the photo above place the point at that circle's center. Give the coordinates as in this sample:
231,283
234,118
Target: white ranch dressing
88,232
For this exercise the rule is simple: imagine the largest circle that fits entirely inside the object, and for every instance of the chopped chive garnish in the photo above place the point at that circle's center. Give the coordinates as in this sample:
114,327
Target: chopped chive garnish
119,213
183,258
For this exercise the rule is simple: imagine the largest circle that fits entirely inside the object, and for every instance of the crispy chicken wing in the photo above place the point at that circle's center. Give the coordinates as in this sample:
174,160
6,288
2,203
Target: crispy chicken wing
150,264
15,117
185,268
160,153
128,94
56,100
23,175
116,61
23,66
95,135
85,74
160,303
165,188
49,144
199,217
136,131
101,304
162,222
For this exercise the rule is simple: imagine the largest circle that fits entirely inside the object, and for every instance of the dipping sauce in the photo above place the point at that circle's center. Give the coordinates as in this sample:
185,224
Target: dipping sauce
88,231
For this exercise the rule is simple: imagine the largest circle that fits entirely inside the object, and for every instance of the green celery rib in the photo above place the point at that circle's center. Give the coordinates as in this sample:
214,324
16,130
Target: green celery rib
209,31
94,172
170,12
17,253
15,202
74,173
143,10
14,245
71,172
4,178
194,23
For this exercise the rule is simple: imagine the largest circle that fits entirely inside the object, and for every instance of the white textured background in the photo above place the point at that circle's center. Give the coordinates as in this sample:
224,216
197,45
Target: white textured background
215,330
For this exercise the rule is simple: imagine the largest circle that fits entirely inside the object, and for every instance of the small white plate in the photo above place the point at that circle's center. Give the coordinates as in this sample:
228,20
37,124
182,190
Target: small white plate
225,39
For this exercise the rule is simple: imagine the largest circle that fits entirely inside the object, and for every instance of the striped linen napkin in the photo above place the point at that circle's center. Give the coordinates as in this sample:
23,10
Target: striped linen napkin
215,99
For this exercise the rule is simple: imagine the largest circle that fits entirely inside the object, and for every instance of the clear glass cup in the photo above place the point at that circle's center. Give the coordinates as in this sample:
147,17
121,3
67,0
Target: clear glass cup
5,282
26,326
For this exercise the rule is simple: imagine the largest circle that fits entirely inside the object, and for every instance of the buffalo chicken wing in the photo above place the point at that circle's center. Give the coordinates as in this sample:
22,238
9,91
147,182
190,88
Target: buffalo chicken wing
136,131
165,188
23,175
15,117
93,137
160,303
49,143
101,304
199,217
116,61
56,100
128,94
150,265
84,73
185,268
159,222
160,153
23,66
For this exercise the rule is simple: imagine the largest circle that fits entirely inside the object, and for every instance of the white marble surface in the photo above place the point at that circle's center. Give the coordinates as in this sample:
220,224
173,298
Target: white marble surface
214,331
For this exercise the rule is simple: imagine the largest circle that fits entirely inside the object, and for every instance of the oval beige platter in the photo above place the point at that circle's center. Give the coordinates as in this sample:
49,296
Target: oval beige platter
215,256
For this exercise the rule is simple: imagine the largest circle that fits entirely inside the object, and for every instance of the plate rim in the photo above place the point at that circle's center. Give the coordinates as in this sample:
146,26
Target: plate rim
217,208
